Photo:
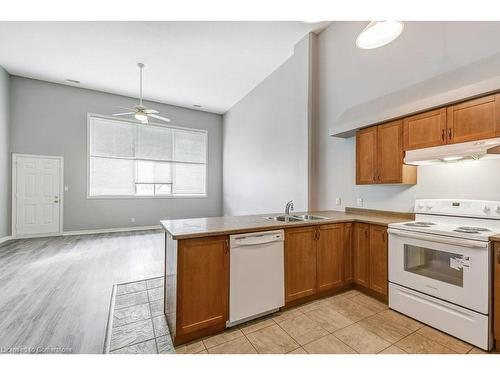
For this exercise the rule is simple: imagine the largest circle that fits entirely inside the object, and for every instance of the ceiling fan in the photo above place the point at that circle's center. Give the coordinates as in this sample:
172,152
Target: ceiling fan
140,112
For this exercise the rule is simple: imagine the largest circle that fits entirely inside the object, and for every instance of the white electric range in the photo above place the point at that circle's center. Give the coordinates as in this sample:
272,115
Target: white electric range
440,266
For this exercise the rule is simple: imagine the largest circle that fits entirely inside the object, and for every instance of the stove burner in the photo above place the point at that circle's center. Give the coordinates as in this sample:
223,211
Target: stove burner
474,229
470,231
420,224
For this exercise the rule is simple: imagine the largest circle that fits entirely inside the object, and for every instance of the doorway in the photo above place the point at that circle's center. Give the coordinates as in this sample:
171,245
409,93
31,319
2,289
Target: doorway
37,195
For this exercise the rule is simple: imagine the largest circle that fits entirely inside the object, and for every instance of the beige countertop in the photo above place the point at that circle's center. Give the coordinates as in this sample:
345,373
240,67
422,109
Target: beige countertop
212,226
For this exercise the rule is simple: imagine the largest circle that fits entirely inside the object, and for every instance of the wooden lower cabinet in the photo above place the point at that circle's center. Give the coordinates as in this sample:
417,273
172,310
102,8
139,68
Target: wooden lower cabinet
202,287
348,254
330,257
318,260
378,259
370,258
300,263
496,294
361,250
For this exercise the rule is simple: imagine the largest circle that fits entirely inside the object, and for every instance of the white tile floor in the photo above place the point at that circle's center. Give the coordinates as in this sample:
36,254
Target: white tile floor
347,323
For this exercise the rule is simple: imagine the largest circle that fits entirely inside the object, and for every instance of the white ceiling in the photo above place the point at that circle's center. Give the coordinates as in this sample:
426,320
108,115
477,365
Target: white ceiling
213,64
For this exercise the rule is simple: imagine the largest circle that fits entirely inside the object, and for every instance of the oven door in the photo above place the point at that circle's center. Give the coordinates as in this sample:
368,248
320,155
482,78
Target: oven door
452,269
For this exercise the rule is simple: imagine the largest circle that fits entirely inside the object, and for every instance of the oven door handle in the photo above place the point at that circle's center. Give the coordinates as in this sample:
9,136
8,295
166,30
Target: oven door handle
462,242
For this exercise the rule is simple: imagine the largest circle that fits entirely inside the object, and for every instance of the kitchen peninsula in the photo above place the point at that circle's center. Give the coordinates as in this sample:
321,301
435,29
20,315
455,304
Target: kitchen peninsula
339,251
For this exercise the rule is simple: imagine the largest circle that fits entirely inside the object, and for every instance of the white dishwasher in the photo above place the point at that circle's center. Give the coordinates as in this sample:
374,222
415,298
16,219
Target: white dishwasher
256,274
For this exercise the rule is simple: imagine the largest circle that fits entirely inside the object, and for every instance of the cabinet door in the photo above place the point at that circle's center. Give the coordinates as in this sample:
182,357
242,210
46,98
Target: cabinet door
426,129
348,254
390,153
473,120
366,155
496,294
361,251
378,259
203,284
300,263
330,255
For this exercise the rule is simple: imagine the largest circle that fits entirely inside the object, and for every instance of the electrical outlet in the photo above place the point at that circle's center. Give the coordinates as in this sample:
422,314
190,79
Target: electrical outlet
360,202
338,201
66,188
132,219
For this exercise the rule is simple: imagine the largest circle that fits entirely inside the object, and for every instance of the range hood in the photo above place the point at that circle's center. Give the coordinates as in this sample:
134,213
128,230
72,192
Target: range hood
475,150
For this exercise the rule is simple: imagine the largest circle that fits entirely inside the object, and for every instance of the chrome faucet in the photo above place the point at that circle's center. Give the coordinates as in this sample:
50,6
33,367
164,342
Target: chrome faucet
288,207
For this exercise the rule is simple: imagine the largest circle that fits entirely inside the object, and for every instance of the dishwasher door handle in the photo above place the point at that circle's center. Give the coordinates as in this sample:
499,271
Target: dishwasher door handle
258,240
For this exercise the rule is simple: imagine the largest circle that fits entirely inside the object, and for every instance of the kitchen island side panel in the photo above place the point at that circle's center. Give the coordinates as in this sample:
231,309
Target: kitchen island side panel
171,282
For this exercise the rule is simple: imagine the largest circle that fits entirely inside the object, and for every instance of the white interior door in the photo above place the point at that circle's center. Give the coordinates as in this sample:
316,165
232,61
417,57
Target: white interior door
37,203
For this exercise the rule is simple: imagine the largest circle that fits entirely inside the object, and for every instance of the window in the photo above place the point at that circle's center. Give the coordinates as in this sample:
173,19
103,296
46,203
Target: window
130,159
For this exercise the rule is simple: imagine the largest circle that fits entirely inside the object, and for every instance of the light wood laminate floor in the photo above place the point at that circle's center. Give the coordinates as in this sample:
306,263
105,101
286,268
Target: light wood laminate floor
55,292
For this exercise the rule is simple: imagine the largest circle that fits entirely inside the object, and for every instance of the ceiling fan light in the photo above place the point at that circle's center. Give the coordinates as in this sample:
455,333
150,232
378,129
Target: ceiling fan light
378,34
141,117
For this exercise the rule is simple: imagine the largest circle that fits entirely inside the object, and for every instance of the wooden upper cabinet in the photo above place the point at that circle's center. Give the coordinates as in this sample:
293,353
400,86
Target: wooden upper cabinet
300,262
496,294
203,284
366,155
330,256
348,254
379,156
361,250
390,152
473,120
425,130
378,259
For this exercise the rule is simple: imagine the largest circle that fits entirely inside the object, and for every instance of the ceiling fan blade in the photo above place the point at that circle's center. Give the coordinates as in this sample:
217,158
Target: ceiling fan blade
123,113
159,117
150,111
128,109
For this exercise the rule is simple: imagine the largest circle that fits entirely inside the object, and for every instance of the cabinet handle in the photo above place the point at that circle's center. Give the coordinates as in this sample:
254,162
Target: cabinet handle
442,135
227,246
449,133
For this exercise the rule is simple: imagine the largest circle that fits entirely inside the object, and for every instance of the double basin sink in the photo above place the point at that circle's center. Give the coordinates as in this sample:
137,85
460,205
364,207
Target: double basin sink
295,218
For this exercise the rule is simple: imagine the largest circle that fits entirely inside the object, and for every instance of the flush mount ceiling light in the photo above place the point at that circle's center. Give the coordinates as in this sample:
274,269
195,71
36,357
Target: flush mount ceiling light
378,34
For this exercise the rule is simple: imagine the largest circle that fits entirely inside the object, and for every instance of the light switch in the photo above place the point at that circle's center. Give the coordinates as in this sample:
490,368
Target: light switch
338,202
66,188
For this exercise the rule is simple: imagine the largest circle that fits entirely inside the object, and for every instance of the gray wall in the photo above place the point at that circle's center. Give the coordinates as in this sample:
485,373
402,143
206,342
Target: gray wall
266,142
51,119
350,77
5,200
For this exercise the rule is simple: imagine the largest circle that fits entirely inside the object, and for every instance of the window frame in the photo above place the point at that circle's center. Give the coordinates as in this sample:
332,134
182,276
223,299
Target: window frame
132,121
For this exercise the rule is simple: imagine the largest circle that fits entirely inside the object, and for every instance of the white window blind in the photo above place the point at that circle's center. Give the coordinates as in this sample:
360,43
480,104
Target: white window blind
129,159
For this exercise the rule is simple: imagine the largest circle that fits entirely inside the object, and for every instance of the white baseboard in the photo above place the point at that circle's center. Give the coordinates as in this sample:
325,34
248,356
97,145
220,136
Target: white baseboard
5,239
86,231
111,230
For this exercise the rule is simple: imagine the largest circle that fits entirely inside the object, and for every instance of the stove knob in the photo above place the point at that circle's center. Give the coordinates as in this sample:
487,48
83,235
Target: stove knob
498,209
486,209
429,206
420,205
